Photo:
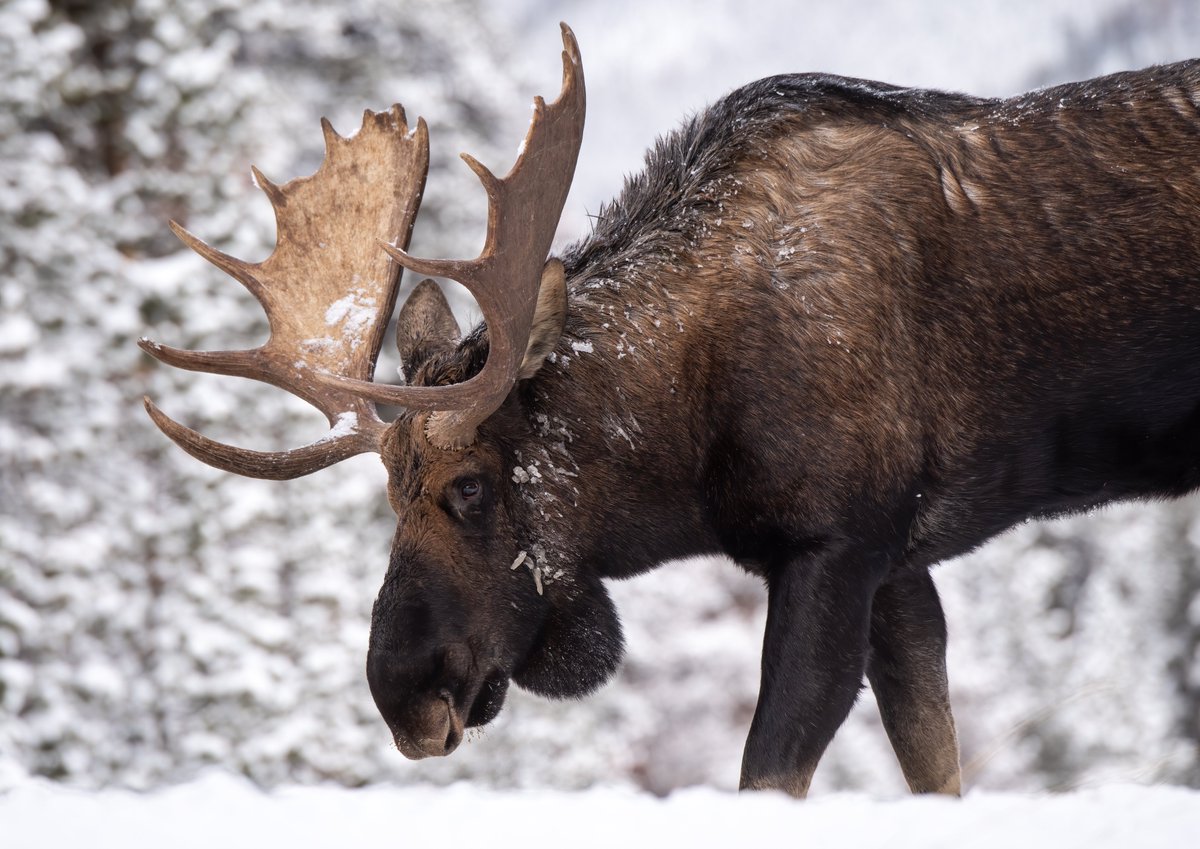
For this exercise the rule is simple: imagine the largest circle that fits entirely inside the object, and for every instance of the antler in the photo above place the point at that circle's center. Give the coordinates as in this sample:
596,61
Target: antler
327,290
523,212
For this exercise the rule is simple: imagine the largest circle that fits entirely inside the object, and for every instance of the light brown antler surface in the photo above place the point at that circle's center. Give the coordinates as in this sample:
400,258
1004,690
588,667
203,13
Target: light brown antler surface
523,212
328,291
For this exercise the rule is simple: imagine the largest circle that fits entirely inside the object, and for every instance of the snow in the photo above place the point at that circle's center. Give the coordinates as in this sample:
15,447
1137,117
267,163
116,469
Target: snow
346,424
353,312
222,810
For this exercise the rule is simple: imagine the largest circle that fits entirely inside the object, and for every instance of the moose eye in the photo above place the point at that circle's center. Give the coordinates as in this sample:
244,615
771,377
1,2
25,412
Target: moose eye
466,500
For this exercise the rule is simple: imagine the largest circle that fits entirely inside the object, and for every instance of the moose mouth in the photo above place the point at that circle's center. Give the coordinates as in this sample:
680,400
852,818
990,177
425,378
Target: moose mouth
488,700
436,727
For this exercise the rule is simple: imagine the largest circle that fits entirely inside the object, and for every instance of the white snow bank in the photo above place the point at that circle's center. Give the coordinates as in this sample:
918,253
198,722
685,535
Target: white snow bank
220,810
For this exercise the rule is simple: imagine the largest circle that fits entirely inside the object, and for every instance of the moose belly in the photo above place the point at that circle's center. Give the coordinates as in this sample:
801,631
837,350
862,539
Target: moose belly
1130,429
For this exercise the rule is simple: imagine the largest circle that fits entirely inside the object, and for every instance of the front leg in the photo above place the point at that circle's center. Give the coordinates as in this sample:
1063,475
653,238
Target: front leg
907,671
814,656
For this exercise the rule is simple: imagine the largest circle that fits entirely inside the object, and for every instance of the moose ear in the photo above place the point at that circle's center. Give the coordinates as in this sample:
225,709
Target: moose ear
425,325
548,318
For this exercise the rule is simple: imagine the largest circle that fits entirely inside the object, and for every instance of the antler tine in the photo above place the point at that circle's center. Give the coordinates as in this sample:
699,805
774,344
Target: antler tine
270,465
234,267
327,292
523,212
331,135
232,363
454,269
273,192
491,183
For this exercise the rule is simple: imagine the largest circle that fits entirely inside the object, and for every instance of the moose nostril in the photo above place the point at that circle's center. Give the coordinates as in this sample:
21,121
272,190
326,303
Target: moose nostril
454,732
454,723
444,730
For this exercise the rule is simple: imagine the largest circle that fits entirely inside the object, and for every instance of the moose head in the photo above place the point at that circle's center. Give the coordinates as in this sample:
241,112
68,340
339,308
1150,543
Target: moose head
457,617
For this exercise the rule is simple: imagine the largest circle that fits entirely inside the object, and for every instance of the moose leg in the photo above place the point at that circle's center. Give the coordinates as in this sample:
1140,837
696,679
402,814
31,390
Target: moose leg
814,655
907,670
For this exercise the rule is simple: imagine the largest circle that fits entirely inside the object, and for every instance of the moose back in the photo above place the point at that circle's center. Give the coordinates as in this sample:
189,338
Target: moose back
837,330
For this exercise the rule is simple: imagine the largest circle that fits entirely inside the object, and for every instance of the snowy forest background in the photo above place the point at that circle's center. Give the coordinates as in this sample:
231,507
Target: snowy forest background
158,617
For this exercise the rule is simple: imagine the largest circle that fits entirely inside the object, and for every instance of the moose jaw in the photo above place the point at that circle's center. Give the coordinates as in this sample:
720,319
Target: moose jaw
837,330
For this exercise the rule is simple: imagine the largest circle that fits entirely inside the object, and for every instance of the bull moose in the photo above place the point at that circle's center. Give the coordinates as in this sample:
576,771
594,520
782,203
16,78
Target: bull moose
837,330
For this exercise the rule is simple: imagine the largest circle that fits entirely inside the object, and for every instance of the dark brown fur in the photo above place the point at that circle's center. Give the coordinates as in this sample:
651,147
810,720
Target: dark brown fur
839,331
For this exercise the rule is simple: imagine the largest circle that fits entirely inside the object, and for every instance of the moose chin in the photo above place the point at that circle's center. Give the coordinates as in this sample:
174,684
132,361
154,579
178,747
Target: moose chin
837,330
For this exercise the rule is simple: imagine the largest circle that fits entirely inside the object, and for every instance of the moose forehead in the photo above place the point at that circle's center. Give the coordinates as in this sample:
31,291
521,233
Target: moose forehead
402,458
416,467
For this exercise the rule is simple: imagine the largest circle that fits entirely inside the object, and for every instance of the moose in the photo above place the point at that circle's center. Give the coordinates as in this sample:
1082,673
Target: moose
836,330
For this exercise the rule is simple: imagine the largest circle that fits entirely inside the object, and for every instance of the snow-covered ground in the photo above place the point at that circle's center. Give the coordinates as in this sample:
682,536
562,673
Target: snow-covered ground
221,811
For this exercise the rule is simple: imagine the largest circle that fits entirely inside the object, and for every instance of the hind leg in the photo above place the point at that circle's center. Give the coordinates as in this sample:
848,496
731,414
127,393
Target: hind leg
907,671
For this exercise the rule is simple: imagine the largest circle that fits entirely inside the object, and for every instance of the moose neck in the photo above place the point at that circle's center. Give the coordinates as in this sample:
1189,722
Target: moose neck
613,475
